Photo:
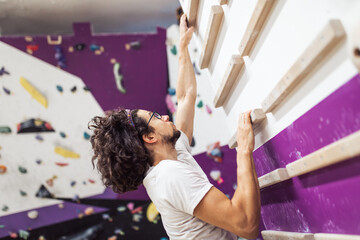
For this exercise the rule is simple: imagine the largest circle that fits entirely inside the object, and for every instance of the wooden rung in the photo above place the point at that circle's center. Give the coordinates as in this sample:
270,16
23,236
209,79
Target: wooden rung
256,116
231,73
223,2
314,53
191,10
345,148
330,236
279,235
213,27
257,21
276,176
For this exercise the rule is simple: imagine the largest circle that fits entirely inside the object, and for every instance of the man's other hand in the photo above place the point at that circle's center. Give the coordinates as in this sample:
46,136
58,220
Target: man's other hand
245,134
185,32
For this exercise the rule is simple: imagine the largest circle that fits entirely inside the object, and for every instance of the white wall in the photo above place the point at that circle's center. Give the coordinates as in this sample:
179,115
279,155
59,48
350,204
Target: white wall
68,112
290,29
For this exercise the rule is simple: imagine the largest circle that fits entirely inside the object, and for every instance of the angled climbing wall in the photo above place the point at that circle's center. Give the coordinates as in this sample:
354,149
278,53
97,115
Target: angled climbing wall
296,63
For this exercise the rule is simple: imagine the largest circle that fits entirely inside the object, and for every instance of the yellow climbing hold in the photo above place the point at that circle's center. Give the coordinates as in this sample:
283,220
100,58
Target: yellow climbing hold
33,92
66,153
151,212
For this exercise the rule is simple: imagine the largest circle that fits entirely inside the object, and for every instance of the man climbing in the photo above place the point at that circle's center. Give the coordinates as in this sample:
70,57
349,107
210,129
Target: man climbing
134,147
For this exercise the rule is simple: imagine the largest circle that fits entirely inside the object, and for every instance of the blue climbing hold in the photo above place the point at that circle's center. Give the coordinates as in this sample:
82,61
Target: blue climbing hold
86,136
171,91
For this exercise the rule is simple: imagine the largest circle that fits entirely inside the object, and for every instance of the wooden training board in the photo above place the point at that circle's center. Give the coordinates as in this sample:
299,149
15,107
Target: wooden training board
257,115
329,236
271,178
279,235
346,148
252,32
332,34
212,30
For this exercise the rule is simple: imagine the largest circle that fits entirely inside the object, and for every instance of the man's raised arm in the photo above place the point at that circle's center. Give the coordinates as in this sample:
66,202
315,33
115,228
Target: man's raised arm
186,84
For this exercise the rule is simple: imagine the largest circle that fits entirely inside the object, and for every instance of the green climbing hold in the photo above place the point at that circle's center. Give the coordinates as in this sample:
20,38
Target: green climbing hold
200,104
22,170
5,208
5,130
22,193
24,234
118,77
2,226
174,50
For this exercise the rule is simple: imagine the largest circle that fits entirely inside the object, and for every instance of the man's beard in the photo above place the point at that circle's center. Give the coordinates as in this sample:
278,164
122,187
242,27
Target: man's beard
172,139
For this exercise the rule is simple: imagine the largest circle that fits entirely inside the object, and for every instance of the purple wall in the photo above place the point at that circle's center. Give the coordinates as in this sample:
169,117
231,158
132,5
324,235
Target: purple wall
145,71
326,200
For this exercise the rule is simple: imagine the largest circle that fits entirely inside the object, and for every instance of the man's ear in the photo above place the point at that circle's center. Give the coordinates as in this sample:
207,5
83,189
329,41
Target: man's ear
150,138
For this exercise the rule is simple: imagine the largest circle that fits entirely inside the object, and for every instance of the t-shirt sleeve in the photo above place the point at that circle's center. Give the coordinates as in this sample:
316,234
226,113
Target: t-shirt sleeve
183,143
185,187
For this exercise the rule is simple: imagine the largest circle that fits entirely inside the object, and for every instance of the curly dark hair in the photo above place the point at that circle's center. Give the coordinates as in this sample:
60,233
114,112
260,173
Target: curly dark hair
122,158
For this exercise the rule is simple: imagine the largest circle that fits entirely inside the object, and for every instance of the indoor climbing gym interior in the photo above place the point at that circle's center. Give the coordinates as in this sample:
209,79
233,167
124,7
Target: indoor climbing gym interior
292,66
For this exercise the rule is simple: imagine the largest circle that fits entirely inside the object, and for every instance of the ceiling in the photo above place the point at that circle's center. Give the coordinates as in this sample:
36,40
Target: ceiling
38,17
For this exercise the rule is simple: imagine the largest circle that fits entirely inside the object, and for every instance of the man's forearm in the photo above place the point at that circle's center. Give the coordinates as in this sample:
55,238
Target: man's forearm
247,194
186,84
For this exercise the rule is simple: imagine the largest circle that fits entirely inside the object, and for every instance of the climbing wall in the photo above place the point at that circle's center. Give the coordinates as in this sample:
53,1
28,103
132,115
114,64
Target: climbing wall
295,64
53,86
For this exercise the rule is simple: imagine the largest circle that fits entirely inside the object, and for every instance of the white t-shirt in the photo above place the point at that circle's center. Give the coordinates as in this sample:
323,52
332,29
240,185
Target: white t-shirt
176,187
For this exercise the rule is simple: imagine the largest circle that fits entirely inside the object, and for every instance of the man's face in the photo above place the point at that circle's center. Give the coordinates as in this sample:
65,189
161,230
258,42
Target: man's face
164,128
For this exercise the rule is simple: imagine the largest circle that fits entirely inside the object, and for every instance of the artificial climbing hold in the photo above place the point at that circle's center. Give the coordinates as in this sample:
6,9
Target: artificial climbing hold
39,138
88,211
38,161
118,78
2,169
7,91
24,234
60,58
59,88
79,46
200,104
72,183
33,214
192,144
86,136
91,181
174,50
214,152
66,153
23,193
171,91
62,134
43,193
22,170
152,212
208,109
61,164
73,89
197,72
34,125
169,103
94,47
5,208
5,129
86,89
3,71
33,92
136,45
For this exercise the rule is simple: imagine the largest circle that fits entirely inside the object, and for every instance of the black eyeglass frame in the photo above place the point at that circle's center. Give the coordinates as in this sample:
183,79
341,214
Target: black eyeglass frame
156,114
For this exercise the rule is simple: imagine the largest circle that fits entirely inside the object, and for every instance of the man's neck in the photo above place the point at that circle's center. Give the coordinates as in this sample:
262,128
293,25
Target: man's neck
164,152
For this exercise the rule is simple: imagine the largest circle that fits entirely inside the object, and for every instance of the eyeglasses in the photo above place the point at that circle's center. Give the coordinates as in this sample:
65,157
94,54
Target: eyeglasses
154,114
